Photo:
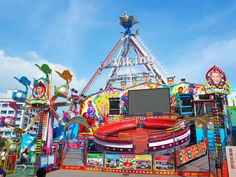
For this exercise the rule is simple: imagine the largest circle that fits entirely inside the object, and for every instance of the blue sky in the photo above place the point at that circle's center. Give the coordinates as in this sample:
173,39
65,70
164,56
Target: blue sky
187,36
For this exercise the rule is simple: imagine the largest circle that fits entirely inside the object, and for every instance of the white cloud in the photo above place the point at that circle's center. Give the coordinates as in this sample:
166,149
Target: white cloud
193,63
11,66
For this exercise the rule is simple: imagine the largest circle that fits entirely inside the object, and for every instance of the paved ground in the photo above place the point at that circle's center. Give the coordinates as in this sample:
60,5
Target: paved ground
72,158
29,171
68,173
200,165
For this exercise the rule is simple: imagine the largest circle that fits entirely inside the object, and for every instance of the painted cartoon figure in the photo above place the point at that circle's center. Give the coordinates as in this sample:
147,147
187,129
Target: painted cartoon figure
177,98
91,110
124,98
191,88
39,90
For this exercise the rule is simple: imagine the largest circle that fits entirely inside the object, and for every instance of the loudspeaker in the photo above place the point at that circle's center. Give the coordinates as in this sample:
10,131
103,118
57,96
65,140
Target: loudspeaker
114,106
187,102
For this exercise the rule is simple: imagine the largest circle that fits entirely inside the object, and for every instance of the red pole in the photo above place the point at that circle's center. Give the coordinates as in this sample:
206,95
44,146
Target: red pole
219,172
225,169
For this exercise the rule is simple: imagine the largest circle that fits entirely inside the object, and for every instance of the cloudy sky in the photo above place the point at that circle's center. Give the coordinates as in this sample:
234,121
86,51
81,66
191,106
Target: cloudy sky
187,36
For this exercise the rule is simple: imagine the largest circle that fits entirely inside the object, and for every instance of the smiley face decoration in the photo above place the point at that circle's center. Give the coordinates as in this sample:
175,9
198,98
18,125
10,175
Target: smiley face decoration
216,81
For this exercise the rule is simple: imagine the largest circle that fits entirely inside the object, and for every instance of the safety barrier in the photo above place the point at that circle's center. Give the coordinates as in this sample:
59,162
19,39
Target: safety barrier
10,164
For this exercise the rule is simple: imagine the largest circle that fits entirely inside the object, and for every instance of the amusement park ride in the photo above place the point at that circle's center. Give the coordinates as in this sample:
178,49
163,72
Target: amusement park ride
141,122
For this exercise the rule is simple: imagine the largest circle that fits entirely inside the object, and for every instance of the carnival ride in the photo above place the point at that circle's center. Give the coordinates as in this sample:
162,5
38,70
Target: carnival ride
122,133
125,136
46,106
108,132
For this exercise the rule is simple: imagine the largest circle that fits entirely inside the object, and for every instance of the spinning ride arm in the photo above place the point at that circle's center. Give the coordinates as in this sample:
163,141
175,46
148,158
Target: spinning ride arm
33,121
104,64
54,113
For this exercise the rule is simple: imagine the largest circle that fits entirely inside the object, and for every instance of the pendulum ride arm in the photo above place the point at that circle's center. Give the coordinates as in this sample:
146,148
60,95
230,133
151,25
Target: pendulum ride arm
104,64
143,54
123,55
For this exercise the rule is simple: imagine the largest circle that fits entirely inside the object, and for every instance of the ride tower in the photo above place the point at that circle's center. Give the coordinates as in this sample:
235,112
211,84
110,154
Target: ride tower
130,61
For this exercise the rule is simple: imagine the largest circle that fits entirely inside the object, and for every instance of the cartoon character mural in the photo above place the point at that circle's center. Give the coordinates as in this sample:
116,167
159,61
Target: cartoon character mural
39,92
183,88
91,110
72,131
102,102
124,99
96,106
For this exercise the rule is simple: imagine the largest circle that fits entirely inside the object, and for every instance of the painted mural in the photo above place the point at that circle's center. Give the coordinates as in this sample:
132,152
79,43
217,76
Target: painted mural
184,88
95,108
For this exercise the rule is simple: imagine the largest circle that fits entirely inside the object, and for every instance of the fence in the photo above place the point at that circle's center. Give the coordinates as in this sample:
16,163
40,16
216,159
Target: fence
9,164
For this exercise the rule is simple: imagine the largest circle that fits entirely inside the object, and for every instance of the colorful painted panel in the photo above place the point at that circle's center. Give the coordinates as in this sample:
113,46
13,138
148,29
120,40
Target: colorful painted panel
95,108
73,145
164,163
127,161
112,161
190,153
44,161
39,92
143,162
51,159
95,160
183,88
28,141
32,157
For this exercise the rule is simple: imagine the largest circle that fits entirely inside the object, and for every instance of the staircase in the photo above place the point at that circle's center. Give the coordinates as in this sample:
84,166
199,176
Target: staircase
140,141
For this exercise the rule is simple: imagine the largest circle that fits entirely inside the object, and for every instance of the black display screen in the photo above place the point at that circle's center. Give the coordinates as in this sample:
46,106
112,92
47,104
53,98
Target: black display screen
148,100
